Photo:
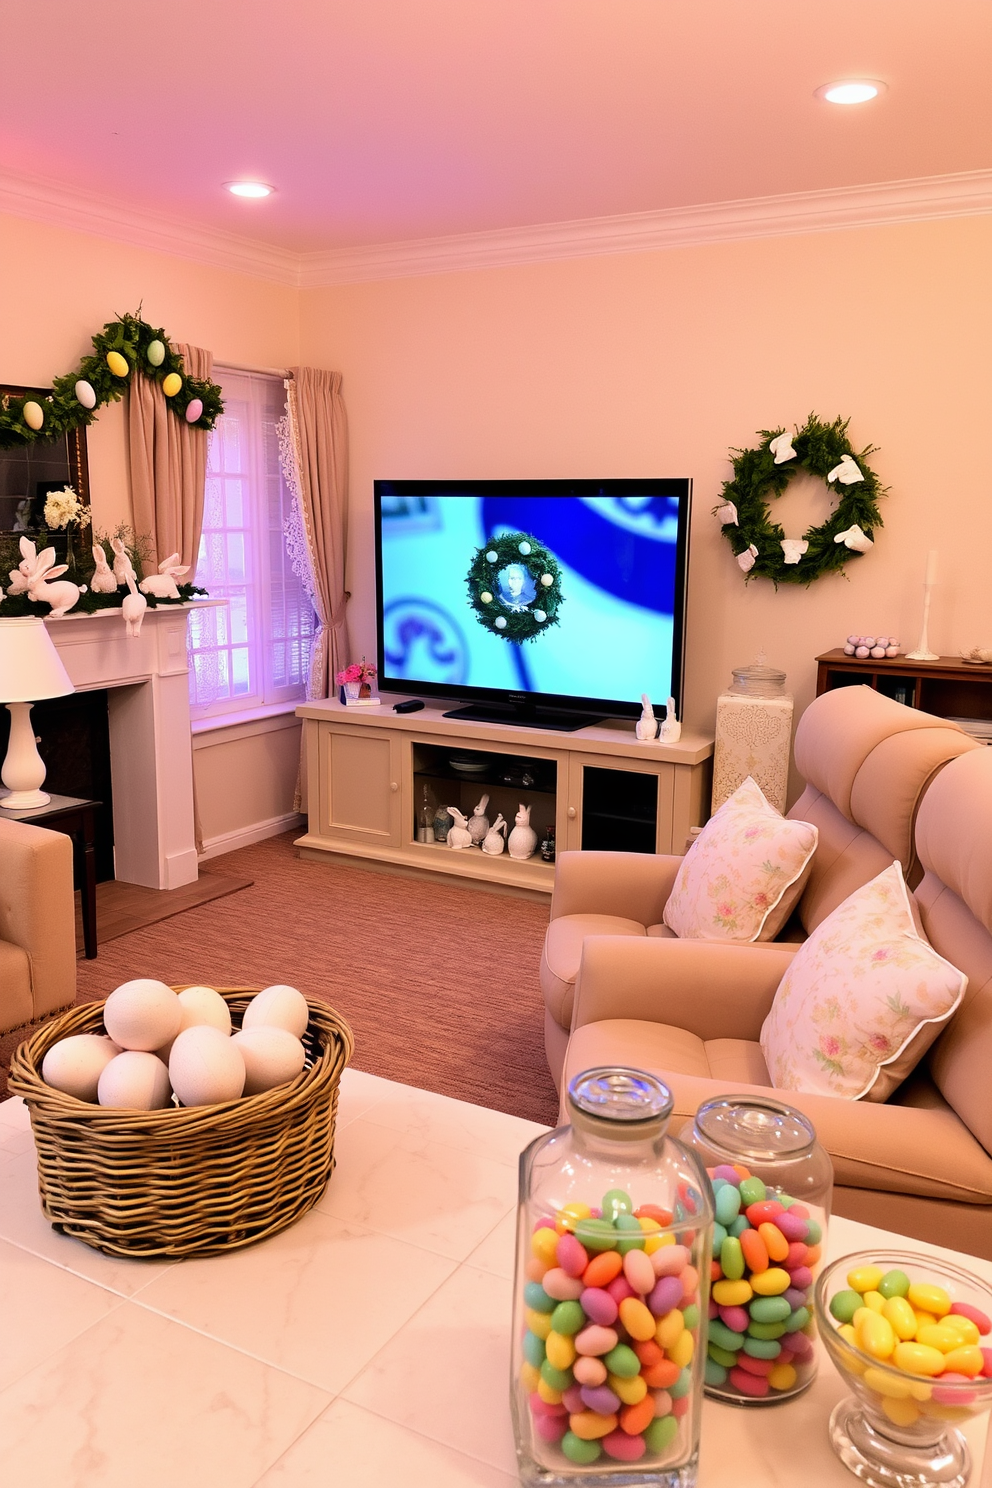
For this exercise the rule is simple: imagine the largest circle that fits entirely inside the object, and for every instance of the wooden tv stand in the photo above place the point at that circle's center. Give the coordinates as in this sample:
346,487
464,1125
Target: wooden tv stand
367,769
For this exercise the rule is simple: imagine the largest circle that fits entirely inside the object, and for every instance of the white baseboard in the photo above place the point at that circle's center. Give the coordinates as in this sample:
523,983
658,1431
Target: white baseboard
215,847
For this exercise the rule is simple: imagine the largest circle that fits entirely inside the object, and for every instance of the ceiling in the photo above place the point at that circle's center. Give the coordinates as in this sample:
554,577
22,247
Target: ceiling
381,121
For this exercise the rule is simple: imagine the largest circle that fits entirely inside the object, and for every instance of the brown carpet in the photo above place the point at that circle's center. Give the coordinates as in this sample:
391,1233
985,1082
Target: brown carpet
439,982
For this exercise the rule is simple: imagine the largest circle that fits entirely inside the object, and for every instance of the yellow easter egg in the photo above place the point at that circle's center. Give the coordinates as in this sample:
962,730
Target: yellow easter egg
171,384
486,598
876,1334
927,1297
33,414
117,364
917,1358
902,1317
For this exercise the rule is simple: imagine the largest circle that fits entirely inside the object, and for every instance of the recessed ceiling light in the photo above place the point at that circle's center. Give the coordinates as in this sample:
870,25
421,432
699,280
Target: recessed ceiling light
850,91
253,189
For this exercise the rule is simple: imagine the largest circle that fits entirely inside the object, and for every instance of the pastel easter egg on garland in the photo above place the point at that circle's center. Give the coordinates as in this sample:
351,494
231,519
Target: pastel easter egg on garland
74,1065
135,1081
278,1006
206,1067
271,1057
142,1014
84,394
155,352
500,622
171,384
33,414
118,364
486,598
547,580
194,410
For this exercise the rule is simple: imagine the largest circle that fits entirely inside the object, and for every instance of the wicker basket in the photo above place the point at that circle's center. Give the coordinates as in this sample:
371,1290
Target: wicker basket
179,1182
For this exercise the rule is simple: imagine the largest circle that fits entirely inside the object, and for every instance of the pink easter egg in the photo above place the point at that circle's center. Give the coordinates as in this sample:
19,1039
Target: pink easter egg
194,410
878,651
571,1256
862,652
892,650
551,1428
623,1448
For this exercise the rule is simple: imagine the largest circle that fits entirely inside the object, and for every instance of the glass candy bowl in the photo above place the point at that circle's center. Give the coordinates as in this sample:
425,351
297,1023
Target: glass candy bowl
899,1428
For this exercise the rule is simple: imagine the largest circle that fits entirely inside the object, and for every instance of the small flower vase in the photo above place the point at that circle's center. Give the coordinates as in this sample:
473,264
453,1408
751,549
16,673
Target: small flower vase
353,690
365,689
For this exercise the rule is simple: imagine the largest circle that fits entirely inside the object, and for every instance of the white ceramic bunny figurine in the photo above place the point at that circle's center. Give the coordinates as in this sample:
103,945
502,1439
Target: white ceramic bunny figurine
122,563
103,581
522,842
459,835
671,729
20,576
61,596
495,839
478,824
647,724
133,607
163,584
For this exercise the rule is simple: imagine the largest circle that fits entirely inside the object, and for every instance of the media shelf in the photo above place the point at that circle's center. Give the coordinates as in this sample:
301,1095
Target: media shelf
600,788
948,687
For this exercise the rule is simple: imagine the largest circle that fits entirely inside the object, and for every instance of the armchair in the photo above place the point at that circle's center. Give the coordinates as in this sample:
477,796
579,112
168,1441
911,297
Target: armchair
37,923
867,762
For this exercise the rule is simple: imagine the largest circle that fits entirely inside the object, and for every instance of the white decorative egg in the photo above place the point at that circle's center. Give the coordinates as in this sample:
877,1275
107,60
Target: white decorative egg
74,1065
143,1014
193,410
540,616
33,414
486,597
200,1006
524,548
135,1082
491,556
547,580
278,1007
205,1067
271,1055
500,622
85,395
155,353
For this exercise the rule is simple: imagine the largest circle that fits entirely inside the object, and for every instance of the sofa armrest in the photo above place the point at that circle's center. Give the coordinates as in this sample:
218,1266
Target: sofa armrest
37,910
708,988
634,886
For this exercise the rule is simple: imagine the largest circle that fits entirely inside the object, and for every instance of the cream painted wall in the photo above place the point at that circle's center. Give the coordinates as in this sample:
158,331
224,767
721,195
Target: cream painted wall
656,364
60,287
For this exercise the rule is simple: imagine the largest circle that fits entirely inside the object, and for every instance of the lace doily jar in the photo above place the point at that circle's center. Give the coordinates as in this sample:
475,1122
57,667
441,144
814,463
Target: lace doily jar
753,734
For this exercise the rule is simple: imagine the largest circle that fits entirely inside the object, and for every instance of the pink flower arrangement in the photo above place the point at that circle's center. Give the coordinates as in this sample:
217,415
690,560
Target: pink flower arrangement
358,671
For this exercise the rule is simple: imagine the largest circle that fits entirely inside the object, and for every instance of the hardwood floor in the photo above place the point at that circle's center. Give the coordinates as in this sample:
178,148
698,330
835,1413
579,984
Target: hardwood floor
123,907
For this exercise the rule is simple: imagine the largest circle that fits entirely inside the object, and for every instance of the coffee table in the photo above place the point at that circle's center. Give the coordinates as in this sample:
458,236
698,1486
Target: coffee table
367,1345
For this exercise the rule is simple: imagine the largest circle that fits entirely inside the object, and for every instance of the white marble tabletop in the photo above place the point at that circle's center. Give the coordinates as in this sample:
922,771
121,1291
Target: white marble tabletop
368,1344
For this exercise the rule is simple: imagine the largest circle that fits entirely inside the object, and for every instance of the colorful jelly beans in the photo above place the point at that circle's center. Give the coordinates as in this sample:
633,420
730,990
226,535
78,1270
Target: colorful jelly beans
612,1329
766,1250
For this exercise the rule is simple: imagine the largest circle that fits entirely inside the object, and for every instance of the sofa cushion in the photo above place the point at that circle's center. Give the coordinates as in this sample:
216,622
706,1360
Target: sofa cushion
862,1001
743,874
562,951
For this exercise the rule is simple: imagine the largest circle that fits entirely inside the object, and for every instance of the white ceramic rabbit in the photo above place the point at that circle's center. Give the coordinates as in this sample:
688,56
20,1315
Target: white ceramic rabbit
20,575
103,581
495,839
122,563
133,607
163,584
522,842
671,730
61,596
459,835
478,824
647,724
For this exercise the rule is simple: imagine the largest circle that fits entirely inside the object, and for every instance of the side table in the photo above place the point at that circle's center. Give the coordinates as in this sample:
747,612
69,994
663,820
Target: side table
77,818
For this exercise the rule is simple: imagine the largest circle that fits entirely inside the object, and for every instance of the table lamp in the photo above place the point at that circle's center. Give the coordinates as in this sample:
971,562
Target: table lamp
30,669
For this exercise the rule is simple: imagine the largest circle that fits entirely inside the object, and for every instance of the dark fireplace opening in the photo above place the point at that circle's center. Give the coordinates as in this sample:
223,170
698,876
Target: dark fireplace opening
74,734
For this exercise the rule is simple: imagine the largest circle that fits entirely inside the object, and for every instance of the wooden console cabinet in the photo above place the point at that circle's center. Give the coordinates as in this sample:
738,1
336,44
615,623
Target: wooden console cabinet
948,687
368,768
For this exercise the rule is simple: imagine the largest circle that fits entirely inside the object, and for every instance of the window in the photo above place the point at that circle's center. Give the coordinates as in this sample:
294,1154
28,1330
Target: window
255,650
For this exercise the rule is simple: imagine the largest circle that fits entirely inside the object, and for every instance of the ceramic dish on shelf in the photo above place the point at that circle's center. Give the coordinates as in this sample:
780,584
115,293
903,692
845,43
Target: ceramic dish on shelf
466,764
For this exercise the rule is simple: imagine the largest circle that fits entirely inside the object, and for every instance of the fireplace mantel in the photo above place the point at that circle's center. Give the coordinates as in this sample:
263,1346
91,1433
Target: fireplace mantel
150,752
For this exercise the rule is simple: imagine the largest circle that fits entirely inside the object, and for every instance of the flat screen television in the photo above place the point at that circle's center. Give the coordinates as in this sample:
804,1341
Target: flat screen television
610,627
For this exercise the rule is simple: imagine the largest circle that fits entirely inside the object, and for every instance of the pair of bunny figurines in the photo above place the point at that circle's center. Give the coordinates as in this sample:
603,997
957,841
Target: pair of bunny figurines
34,577
475,831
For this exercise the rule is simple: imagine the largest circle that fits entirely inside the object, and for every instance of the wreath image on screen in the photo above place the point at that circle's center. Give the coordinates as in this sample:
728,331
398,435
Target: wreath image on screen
514,587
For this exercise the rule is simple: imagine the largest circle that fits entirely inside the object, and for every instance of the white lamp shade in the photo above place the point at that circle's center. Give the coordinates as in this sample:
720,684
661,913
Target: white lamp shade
30,666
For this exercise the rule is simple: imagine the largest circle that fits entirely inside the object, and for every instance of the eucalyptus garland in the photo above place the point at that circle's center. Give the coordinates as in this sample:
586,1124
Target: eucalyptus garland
760,474
514,587
125,347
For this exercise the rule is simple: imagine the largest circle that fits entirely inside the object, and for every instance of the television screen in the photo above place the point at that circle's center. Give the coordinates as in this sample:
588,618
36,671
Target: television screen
555,593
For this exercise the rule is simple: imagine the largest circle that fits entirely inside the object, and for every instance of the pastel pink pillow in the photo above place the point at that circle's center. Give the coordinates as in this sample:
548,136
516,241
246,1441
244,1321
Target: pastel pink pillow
743,874
862,1001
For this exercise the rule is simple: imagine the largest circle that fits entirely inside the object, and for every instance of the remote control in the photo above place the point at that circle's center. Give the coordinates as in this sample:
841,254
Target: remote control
412,705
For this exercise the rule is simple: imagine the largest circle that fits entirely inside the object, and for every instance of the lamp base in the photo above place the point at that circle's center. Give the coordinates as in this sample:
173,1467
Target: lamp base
24,769
24,800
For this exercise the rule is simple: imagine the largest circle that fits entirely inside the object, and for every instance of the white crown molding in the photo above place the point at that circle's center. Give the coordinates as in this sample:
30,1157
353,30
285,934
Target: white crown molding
106,217
964,195
927,198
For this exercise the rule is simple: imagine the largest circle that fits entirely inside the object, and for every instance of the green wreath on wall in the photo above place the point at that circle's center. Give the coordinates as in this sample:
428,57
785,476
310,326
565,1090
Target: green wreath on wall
760,545
125,347
514,587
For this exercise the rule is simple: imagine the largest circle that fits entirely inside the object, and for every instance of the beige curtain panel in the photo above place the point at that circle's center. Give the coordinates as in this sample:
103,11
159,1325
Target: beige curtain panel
167,465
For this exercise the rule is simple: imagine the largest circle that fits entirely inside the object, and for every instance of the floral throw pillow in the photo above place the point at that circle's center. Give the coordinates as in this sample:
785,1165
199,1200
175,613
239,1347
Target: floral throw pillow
862,1001
743,874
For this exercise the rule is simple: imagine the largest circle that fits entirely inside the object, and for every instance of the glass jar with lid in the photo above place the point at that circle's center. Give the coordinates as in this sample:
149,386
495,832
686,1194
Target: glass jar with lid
772,1183
614,1244
753,734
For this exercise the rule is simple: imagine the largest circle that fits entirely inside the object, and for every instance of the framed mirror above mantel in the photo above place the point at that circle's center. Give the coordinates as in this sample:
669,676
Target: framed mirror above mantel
29,472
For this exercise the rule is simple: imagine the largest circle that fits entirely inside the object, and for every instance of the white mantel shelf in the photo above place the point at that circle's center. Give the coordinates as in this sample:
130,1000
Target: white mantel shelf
151,756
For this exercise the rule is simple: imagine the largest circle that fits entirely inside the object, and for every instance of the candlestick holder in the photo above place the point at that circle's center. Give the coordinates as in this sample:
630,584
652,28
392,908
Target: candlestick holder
923,652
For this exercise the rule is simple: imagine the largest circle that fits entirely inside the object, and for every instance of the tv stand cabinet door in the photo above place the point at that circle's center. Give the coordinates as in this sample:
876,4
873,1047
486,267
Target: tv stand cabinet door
663,827
360,786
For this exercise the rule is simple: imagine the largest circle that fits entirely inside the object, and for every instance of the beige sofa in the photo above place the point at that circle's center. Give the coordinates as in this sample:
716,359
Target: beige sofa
692,1012
37,923
867,762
